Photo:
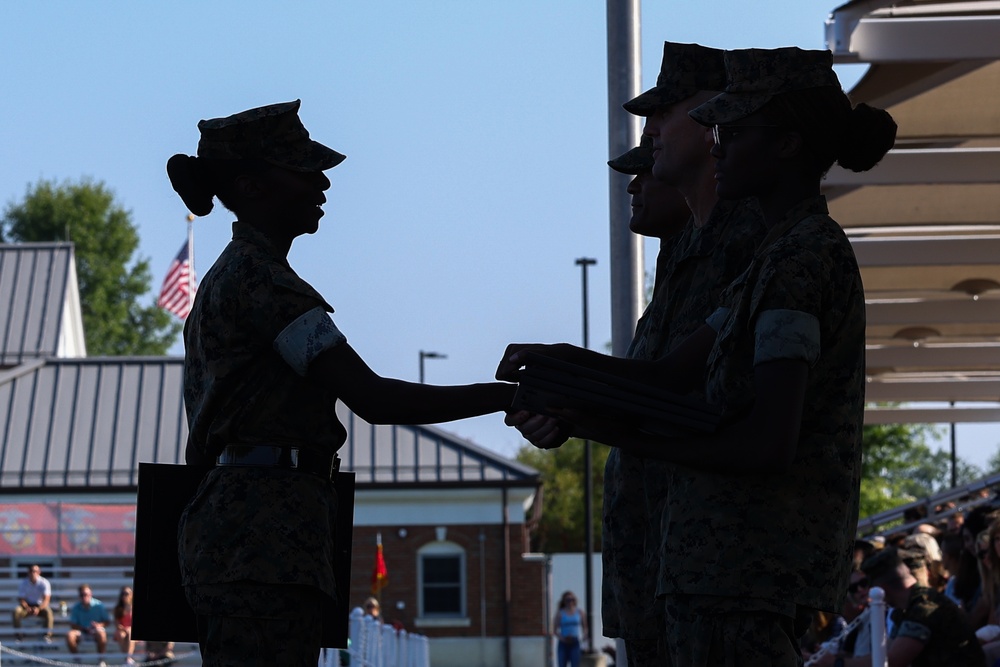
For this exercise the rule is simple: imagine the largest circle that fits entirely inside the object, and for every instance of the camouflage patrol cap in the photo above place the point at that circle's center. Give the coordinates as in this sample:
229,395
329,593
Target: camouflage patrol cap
685,70
754,76
635,160
888,560
272,133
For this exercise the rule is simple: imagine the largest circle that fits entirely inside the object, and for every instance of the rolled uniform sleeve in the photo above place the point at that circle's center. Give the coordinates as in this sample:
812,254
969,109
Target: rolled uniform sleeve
786,334
914,630
306,338
786,306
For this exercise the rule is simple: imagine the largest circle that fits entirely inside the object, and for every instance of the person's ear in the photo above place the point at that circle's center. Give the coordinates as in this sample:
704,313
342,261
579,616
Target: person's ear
249,186
789,144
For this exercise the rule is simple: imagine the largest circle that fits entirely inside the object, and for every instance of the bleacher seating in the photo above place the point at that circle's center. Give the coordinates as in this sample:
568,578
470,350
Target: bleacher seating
105,581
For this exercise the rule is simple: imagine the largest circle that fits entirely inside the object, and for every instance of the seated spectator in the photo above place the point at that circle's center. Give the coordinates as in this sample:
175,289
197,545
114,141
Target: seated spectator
156,650
87,618
858,640
372,608
951,563
863,550
33,596
928,630
123,624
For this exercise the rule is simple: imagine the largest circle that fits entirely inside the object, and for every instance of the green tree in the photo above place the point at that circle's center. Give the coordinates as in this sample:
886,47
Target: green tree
899,467
993,464
112,278
562,527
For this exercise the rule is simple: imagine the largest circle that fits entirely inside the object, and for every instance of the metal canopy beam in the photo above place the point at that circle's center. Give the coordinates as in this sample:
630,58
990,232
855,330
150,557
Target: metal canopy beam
903,390
925,166
924,39
931,313
964,250
935,357
931,415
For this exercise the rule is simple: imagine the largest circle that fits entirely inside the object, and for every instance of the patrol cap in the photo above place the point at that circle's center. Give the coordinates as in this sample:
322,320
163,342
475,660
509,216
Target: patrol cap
888,560
272,133
685,70
754,76
636,160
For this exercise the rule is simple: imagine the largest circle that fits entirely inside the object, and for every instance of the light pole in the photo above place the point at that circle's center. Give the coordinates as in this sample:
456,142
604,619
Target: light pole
588,494
428,355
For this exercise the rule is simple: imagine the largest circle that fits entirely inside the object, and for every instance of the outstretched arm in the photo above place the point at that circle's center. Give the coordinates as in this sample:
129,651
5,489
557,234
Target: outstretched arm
380,400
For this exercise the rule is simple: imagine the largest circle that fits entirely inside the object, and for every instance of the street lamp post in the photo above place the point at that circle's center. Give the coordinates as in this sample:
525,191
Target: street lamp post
428,355
588,494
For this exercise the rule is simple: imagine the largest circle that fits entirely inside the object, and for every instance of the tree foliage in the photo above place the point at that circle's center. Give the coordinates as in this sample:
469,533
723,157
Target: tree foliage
112,278
899,467
562,528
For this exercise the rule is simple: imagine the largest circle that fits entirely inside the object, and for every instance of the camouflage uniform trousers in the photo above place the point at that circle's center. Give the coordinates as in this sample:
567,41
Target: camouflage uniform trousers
729,639
647,651
244,624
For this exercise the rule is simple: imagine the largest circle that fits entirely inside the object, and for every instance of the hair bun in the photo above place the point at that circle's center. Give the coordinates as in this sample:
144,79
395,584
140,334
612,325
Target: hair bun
868,136
190,180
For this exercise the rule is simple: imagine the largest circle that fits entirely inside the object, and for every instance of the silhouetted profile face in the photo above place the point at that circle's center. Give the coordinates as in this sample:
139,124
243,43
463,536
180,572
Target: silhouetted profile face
745,157
294,199
658,209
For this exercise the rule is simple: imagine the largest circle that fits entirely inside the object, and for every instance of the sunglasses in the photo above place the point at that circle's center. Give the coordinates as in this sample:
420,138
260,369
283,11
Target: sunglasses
724,134
861,583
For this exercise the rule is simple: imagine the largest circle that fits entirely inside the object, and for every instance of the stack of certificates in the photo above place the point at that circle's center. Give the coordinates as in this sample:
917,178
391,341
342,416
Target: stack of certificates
550,383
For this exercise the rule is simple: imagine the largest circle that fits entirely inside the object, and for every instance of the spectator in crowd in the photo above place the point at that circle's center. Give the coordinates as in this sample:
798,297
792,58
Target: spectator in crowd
157,650
123,624
863,550
952,553
87,618
372,608
928,630
570,628
33,597
858,641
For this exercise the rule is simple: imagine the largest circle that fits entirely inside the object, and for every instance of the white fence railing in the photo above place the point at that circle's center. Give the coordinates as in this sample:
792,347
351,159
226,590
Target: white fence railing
374,644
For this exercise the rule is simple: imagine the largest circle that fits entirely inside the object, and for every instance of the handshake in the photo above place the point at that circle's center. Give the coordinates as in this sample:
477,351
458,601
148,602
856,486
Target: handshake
564,391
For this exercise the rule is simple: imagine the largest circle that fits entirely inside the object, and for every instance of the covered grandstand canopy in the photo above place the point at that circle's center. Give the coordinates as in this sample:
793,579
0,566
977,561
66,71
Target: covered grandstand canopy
925,224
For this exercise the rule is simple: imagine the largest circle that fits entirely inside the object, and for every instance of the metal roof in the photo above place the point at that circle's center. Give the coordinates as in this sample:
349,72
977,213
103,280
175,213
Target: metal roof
925,223
38,293
87,423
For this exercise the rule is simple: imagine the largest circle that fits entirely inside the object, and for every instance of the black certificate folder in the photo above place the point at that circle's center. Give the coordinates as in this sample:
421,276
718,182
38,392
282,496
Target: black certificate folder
161,609
549,382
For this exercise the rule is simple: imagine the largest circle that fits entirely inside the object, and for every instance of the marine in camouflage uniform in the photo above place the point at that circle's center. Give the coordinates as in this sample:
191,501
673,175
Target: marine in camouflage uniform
746,558
690,276
255,543
929,617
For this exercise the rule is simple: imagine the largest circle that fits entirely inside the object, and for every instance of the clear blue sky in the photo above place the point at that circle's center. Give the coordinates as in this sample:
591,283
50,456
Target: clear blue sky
476,136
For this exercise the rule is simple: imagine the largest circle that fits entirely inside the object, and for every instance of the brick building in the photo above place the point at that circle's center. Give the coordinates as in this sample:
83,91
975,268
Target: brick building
73,429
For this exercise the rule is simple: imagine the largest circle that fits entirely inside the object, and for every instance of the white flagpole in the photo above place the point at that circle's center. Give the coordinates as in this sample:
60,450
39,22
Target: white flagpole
191,279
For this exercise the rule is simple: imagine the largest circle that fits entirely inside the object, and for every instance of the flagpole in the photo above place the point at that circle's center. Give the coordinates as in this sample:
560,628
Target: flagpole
378,547
190,221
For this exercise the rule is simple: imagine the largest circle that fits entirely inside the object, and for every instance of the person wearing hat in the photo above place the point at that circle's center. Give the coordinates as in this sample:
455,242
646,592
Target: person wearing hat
659,211
264,367
715,246
928,629
764,512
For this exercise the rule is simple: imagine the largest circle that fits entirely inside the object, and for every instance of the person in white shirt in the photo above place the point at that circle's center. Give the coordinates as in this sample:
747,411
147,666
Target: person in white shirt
33,597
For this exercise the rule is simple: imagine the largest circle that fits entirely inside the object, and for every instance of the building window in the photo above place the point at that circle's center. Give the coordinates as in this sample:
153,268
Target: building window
441,568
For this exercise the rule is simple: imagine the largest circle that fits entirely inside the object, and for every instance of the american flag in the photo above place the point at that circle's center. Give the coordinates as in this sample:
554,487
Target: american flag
177,293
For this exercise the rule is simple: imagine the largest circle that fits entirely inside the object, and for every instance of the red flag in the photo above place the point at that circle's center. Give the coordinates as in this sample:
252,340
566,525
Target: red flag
380,575
177,293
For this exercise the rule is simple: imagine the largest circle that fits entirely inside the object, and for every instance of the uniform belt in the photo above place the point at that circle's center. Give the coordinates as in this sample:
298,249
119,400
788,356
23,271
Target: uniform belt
276,456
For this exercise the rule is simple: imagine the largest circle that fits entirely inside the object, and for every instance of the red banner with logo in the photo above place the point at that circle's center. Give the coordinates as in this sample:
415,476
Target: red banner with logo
66,529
